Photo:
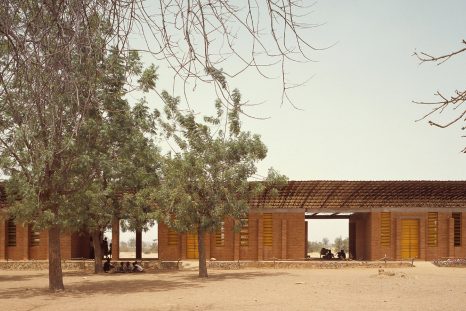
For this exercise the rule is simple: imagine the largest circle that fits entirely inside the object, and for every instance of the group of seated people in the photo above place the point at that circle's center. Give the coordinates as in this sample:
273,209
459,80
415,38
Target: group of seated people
327,254
123,267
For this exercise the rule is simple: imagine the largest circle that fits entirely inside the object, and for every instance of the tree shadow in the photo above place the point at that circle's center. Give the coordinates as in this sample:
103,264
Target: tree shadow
91,288
116,284
19,278
243,275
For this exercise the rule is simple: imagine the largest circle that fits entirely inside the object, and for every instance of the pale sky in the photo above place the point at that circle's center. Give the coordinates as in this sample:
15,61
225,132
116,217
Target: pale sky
357,120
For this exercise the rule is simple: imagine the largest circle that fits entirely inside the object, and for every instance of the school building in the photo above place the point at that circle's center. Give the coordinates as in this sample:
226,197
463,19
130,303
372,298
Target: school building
396,220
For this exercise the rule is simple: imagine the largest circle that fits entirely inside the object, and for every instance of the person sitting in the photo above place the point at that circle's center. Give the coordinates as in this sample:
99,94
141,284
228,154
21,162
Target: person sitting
121,268
329,255
323,252
341,254
137,267
128,267
108,266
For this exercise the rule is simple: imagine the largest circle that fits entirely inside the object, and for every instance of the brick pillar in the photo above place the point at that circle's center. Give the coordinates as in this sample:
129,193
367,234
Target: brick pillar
236,245
398,238
3,238
25,242
115,239
183,246
284,239
260,244
451,234
422,238
305,239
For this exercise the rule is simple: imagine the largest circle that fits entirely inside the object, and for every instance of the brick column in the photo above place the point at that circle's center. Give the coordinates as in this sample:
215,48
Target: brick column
183,246
398,239
115,239
236,245
25,242
284,239
3,238
451,234
260,244
422,238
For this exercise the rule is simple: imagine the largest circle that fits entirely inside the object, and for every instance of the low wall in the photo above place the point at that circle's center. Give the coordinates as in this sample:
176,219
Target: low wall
80,265
229,265
154,265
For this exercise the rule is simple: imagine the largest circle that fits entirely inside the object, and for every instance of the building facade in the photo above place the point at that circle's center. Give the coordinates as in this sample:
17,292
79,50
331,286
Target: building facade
396,220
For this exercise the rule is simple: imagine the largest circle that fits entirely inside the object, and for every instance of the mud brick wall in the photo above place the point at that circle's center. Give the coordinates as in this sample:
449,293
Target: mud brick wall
288,242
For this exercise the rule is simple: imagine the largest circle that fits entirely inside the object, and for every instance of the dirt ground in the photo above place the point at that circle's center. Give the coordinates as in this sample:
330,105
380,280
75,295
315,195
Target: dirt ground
424,287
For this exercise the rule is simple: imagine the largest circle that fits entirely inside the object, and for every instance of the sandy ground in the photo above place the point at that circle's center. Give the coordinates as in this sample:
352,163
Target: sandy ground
424,287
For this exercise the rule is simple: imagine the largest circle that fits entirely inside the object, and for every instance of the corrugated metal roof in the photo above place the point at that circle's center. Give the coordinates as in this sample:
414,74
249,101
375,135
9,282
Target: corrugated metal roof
353,195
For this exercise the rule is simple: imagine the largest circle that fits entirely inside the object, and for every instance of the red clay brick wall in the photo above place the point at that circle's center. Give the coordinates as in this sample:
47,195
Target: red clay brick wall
296,235
460,251
444,246
168,252
249,252
289,237
20,251
80,245
225,252
3,234
441,250
362,235
40,252
288,240
377,250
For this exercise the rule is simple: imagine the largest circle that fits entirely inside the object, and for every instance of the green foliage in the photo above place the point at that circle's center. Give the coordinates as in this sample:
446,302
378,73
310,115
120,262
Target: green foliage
341,244
207,179
117,161
314,246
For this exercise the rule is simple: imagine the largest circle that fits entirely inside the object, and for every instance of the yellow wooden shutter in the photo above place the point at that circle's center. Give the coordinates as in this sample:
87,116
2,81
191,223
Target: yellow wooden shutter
244,233
385,229
432,229
172,237
267,232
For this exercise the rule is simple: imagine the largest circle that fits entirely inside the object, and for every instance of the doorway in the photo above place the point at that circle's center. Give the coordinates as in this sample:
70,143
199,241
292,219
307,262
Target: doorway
192,251
409,238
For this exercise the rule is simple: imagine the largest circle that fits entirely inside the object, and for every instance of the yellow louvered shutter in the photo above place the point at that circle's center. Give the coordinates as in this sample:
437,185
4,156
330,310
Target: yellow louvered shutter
172,237
267,232
385,229
244,233
432,229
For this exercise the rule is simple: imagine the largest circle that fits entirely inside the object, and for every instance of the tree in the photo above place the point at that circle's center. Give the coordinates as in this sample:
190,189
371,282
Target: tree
58,93
117,158
49,60
50,56
325,242
206,179
451,103
341,244
314,246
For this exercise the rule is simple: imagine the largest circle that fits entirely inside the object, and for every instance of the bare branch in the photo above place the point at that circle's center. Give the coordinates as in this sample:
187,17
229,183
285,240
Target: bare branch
454,103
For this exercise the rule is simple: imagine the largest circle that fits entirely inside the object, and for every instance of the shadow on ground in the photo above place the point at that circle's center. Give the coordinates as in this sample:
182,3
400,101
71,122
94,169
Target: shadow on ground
84,285
20,278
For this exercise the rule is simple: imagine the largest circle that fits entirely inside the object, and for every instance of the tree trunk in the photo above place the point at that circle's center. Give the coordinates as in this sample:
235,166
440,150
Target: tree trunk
138,244
96,240
201,249
55,272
